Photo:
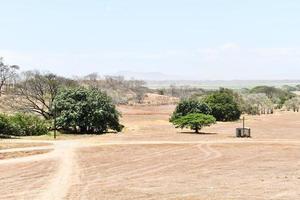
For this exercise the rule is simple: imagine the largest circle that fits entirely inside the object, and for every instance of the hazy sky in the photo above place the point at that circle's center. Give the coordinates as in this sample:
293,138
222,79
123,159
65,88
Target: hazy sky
196,39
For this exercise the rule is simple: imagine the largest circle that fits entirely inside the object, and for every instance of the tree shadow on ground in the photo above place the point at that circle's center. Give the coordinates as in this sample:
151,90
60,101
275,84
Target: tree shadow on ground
200,133
70,132
8,137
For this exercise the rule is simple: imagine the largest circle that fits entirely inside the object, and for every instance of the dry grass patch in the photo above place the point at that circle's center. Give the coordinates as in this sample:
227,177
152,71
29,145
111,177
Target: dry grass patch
12,145
19,154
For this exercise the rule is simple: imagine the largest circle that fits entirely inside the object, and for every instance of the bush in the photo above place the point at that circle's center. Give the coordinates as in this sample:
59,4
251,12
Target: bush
293,104
6,127
223,105
256,104
194,121
22,125
28,125
186,107
277,95
86,111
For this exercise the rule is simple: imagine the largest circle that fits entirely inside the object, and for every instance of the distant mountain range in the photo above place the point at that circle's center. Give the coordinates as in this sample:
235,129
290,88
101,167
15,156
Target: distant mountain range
147,76
160,80
215,84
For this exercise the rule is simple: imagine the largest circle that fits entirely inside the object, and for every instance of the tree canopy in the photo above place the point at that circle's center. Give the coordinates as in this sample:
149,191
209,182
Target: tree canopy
257,104
223,105
293,104
194,121
277,95
186,107
86,111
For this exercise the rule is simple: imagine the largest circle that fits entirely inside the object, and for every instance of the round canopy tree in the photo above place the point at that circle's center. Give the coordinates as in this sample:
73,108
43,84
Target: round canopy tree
223,105
86,111
194,121
186,107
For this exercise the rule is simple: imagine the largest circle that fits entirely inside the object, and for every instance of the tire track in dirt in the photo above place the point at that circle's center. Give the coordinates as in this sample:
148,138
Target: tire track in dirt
139,158
138,173
65,151
116,177
147,157
120,162
210,153
24,180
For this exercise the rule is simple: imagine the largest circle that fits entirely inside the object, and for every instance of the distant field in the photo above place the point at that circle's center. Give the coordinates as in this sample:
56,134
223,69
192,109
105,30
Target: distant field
233,84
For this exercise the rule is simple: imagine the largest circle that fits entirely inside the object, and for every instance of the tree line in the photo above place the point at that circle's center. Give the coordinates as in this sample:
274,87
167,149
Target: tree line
39,98
197,113
88,104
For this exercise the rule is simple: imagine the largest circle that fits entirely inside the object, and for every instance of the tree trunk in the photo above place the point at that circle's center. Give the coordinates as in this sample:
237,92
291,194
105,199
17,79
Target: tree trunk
1,86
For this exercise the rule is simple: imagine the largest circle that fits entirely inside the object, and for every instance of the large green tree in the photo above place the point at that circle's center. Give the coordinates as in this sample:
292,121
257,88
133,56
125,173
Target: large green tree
224,106
186,107
86,111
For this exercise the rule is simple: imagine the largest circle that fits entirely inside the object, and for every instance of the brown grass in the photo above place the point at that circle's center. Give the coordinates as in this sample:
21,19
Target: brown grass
153,160
19,154
10,144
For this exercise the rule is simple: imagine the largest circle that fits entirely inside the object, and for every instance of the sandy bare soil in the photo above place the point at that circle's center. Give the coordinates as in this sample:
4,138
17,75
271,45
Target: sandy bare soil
152,160
19,154
10,144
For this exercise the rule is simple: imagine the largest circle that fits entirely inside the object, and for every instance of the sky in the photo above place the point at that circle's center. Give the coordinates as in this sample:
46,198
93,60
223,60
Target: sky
187,39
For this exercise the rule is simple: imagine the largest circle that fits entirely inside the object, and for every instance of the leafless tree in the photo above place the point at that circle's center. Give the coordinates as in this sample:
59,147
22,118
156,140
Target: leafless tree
8,74
36,92
92,77
257,104
117,87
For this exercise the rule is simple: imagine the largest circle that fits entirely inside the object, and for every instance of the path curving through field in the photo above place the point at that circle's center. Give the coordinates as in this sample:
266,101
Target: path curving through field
80,169
60,183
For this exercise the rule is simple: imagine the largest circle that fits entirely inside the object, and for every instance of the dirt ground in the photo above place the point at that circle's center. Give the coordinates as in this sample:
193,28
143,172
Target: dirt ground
19,154
153,160
12,144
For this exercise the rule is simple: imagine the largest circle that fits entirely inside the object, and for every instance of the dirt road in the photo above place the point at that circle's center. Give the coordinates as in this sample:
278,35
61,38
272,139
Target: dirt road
152,160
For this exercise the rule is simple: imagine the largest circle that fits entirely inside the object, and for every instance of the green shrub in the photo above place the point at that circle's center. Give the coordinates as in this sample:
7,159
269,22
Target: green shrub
6,127
277,95
22,125
28,125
